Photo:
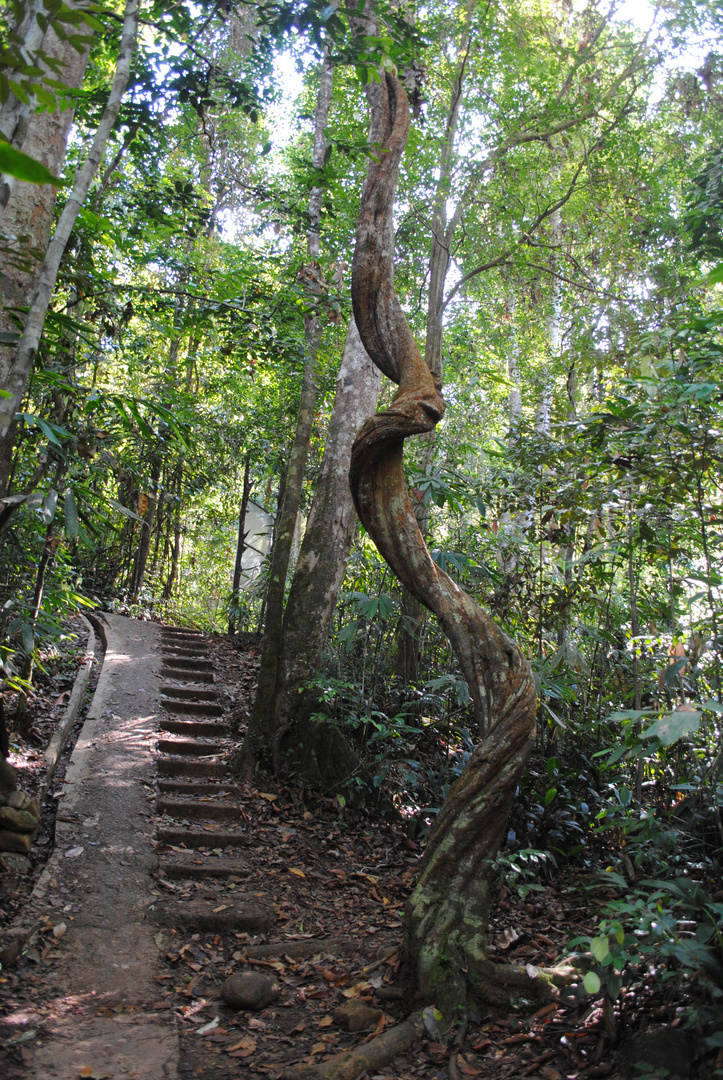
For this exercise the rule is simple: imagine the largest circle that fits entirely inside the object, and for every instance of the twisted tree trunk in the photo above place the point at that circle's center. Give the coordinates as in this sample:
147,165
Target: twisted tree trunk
448,913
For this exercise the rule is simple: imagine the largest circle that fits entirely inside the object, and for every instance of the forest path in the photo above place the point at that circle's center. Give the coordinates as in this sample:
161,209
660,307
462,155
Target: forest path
107,1021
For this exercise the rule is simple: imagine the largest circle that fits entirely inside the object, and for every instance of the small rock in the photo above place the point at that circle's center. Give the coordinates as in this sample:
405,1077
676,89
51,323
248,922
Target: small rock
14,841
17,864
17,820
8,779
249,990
355,1016
33,807
16,799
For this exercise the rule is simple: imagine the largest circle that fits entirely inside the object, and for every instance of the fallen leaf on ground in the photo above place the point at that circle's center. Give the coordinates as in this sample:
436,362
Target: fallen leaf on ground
209,1026
243,1047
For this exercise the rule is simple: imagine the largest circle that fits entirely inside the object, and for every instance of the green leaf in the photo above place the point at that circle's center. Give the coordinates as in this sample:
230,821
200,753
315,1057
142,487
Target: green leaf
599,947
50,504
23,167
591,982
124,510
673,726
72,525
27,637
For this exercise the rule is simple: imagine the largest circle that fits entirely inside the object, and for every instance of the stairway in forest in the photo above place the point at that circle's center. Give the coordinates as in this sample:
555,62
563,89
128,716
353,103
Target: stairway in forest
204,830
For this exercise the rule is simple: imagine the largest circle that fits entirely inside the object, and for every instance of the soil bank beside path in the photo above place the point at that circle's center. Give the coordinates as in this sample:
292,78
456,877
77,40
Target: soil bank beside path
97,881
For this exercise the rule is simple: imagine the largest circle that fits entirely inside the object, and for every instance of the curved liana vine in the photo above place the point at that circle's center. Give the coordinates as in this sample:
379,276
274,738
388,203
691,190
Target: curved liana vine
448,913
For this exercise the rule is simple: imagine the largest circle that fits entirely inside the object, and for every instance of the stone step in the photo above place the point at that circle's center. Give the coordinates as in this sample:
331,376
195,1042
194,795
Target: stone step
176,766
197,693
168,671
187,631
187,663
197,915
197,708
216,866
183,650
194,747
198,809
201,838
204,728
188,787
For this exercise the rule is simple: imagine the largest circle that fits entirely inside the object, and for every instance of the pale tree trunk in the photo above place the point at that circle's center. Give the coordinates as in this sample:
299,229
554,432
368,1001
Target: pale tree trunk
448,913
16,380
322,561
410,624
240,544
261,722
42,135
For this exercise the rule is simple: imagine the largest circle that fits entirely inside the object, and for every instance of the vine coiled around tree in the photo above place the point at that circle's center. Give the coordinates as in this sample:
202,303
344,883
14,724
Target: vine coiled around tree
448,912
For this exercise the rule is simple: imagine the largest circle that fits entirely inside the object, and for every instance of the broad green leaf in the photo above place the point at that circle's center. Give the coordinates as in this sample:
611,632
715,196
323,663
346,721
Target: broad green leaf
50,505
72,525
28,637
599,947
124,510
23,167
673,726
591,982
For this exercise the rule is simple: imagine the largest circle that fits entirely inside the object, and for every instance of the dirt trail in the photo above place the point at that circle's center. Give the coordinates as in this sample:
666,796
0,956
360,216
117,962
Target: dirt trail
97,881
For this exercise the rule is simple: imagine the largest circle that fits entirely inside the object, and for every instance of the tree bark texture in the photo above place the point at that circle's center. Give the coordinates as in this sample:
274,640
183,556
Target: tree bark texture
260,727
15,380
27,209
324,553
448,913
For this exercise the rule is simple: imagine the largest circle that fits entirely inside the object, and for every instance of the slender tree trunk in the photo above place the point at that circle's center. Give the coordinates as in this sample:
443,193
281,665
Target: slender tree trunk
159,530
448,913
45,560
176,553
261,722
144,544
17,377
240,545
410,625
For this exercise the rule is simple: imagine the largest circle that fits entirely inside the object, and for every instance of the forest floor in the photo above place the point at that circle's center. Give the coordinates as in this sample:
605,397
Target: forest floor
137,925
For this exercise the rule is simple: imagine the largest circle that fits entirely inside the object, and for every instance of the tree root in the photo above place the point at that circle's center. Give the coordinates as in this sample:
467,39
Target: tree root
369,1057
505,985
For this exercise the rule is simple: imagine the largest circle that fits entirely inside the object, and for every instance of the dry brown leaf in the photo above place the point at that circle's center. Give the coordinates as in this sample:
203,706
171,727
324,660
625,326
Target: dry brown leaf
509,937
318,1048
243,1047
467,1069
326,1021
297,872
